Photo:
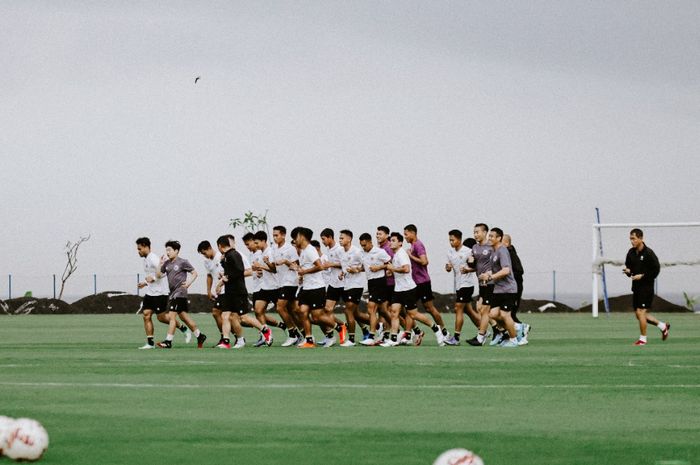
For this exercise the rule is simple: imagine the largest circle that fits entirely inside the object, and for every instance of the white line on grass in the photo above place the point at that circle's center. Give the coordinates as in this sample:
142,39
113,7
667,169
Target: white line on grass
352,386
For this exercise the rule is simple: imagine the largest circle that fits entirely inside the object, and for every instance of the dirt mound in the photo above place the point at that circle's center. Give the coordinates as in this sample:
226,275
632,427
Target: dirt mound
107,302
544,306
623,303
34,306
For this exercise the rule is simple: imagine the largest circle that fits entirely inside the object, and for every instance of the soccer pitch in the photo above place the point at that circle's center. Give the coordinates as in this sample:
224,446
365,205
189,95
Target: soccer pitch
580,393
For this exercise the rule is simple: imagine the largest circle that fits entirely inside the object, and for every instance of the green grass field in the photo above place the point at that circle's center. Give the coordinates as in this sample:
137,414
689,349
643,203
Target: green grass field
580,393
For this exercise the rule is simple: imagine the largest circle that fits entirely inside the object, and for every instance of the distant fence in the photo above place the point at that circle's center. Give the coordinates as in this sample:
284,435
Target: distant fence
571,287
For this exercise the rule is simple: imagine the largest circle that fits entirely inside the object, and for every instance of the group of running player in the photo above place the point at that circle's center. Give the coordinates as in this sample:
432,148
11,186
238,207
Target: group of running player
304,285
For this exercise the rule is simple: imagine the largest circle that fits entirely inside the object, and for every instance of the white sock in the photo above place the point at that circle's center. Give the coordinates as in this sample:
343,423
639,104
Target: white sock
196,332
643,338
480,337
169,337
661,326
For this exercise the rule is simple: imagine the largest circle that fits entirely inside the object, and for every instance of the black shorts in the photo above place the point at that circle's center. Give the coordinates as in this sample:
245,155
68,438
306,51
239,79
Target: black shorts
390,292
352,295
334,293
407,299
378,291
157,303
237,303
178,304
266,295
424,291
464,294
505,302
287,293
486,293
315,299
643,298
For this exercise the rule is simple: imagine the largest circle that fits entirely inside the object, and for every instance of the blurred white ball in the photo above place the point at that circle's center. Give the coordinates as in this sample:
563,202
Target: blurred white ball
24,439
458,457
4,425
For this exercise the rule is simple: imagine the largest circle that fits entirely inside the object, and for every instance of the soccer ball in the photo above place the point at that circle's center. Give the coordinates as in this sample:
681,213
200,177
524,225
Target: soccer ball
4,425
24,439
458,457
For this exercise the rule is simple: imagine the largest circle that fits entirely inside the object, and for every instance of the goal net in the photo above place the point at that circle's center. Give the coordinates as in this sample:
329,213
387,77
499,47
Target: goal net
676,246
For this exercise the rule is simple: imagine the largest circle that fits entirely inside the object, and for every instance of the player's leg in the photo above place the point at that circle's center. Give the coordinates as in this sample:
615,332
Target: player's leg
349,311
148,328
394,310
225,330
172,318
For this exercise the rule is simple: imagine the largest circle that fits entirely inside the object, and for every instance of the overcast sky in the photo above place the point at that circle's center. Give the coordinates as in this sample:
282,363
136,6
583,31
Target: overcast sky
524,115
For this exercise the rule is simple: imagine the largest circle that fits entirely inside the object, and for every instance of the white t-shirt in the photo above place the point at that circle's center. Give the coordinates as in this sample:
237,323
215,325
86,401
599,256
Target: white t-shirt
334,255
268,282
352,258
151,264
326,273
214,269
286,276
375,256
404,281
306,261
255,282
458,259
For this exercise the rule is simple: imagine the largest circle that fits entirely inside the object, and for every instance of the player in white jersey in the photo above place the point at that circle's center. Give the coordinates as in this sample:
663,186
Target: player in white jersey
405,295
156,295
334,290
465,282
353,286
255,255
312,296
283,255
373,261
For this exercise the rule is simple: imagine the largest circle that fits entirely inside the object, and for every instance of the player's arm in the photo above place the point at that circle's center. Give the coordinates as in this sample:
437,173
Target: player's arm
192,278
210,281
505,271
318,266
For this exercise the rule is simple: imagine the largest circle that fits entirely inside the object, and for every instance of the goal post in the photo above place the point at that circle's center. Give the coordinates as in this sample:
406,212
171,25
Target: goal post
599,261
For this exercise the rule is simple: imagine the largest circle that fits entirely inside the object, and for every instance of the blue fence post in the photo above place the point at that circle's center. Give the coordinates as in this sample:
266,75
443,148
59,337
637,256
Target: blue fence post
94,282
9,286
138,280
54,286
554,285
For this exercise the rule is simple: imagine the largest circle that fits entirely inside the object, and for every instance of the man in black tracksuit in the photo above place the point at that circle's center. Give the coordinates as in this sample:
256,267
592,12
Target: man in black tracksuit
518,273
642,266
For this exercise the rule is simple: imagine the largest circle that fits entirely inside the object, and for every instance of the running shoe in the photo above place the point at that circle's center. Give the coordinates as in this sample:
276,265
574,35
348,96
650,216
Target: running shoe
664,333
223,345
307,345
200,340
240,343
451,341
510,343
260,342
165,345
329,342
188,336
368,341
497,339
440,337
640,343
347,343
147,346
389,343
291,341
343,333
267,336
475,341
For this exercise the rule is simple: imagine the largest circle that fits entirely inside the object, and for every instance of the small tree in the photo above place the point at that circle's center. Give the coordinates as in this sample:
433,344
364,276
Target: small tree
72,265
690,301
251,222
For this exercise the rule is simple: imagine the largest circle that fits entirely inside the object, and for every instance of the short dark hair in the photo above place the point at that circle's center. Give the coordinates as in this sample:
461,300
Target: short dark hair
223,241
204,245
175,245
306,233
498,231
456,233
328,232
315,243
469,242
411,227
249,236
347,232
397,236
482,226
365,237
281,229
260,236
384,229
638,233
143,242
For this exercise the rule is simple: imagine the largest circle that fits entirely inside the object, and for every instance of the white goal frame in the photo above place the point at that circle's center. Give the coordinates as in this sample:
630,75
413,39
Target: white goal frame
597,267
